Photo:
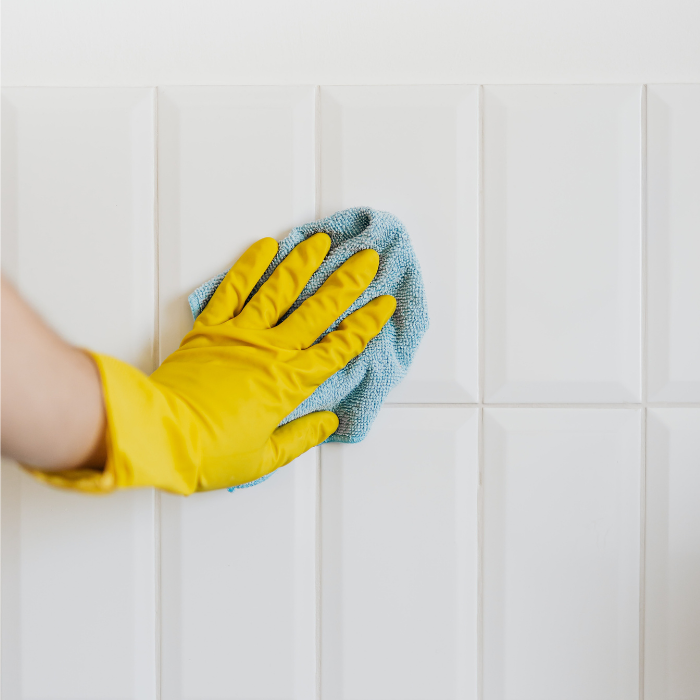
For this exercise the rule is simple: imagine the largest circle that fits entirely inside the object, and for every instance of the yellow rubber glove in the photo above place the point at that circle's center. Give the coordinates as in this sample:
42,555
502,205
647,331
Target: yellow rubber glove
207,417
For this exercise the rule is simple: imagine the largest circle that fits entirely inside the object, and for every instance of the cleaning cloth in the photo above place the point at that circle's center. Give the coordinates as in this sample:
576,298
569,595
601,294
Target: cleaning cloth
355,393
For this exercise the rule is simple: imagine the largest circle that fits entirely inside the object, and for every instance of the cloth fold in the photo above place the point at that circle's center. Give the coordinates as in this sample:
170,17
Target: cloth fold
355,393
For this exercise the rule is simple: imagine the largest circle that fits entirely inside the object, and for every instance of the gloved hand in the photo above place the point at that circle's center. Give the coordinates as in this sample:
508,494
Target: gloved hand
207,417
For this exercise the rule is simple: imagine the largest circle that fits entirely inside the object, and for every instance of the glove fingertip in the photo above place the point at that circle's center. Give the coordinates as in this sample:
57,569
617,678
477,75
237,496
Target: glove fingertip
324,240
368,255
327,425
268,245
387,305
370,319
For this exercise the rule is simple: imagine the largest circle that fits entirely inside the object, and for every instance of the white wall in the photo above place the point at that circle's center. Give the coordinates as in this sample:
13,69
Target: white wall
522,521
231,42
519,523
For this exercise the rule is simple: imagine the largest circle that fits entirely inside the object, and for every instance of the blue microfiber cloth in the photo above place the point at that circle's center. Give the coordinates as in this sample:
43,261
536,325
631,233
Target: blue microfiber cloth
356,392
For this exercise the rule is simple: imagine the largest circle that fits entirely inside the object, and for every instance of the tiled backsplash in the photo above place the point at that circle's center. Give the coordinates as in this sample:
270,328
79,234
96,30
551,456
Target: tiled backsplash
522,520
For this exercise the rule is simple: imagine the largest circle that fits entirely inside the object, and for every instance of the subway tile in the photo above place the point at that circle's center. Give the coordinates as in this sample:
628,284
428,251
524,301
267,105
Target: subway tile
399,558
238,589
235,164
672,620
78,577
78,213
413,151
561,553
562,243
673,143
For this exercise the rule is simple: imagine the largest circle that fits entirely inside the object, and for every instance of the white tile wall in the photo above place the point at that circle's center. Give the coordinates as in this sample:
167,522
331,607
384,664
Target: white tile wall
471,551
78,597
673,138
413,151
561,553
563,243
672,647
399,558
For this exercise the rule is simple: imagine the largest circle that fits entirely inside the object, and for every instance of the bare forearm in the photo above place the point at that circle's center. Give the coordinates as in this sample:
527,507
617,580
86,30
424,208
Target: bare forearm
52,407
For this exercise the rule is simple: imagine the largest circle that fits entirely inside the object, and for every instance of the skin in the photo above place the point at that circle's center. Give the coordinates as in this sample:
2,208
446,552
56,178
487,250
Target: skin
53,413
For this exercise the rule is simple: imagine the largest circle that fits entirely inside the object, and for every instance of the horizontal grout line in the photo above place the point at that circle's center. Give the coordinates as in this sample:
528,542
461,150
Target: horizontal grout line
151,86
543,405
672,404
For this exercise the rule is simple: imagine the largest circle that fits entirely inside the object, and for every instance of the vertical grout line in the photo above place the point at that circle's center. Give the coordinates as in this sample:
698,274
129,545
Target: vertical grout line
642,552
643,358
481,340
317,152
156,242
480,561
481,371
157,630
156,325
643,227
319,524
318,571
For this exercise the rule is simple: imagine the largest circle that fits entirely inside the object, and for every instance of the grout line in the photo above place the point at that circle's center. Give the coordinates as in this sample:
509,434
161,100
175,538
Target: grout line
481,360
317,152
156,237
644,253
476,83
476,404
319,524
318,579
643,359
480,561
157,591
481,237
671,404
642,551
156,344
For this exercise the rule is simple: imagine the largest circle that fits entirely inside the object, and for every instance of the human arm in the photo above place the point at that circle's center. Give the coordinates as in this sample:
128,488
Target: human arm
53,415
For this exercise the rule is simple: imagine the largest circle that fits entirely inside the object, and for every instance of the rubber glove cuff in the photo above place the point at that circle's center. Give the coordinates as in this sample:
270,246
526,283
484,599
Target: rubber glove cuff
147,440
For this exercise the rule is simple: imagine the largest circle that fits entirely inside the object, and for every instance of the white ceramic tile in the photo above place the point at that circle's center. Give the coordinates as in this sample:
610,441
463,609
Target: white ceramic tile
238,590
412,151
672,622
673,142
78,212
561,553
562,243
78,589
399,558
235,164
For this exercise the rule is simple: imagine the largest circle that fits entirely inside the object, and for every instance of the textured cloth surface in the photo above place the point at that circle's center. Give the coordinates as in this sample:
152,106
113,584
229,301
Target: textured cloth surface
355,393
